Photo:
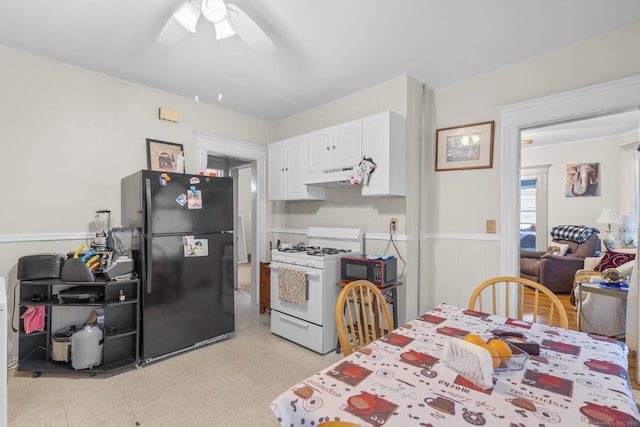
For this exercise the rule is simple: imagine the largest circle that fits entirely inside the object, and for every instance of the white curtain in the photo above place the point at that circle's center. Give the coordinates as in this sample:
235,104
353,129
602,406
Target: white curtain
630,213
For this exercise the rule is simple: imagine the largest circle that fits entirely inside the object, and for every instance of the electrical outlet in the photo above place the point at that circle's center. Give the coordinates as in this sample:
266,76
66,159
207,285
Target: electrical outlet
491,226
394,224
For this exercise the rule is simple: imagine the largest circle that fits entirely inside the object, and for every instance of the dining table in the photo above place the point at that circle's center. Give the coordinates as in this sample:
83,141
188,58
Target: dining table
570,378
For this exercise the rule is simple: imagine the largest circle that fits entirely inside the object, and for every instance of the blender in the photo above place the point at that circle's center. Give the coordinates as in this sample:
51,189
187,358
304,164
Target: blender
102,221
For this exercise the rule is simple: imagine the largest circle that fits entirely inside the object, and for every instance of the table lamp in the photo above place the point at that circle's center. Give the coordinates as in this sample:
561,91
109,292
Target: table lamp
609,216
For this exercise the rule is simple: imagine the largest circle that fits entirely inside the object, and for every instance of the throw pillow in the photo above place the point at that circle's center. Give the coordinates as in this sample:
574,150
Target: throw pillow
558,249
612,259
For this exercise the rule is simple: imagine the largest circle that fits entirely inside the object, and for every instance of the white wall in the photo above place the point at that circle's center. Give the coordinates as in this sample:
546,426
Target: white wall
68,136
579,210
463,200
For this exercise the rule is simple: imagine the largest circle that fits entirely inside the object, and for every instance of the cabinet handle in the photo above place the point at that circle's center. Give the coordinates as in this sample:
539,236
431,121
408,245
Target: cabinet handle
328,148
333,146
282,169
286,169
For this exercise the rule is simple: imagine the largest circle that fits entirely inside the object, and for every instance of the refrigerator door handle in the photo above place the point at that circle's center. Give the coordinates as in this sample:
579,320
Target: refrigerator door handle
147,210
148,259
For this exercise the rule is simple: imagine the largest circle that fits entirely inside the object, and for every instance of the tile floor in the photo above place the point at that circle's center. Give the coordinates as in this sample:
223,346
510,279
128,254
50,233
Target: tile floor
229,383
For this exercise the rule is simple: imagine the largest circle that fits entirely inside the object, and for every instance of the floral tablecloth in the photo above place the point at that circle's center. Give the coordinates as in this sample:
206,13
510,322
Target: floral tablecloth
400,380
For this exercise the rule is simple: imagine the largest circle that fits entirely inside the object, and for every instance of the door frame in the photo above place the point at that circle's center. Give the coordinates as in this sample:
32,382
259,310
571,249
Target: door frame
214,145
592,101
541,175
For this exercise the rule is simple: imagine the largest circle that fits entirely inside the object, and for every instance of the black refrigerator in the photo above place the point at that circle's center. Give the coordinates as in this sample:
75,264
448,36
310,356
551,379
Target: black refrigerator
183,254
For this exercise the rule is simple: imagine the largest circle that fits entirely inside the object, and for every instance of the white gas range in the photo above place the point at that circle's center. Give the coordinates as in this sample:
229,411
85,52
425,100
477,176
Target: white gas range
313,323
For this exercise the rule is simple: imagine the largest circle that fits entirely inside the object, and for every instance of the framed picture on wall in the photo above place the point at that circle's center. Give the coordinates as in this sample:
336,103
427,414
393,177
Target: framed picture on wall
465,147
165,156
582,180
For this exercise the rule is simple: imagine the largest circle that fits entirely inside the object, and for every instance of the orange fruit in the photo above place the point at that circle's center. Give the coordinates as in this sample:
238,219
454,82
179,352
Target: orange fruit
495,356
474,339
502,348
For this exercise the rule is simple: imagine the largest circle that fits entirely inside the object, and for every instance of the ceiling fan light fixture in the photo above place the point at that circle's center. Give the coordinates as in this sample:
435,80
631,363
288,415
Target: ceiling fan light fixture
223,30
214,10
187,15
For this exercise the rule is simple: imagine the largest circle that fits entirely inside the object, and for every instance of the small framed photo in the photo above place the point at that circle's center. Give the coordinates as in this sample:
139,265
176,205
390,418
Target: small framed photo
465,147
165,156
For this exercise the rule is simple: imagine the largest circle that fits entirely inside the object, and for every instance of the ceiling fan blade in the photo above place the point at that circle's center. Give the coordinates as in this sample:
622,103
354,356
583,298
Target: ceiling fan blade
172,33
249,31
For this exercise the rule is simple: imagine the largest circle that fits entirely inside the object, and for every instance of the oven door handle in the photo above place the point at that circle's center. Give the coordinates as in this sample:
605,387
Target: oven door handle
295,322
313,274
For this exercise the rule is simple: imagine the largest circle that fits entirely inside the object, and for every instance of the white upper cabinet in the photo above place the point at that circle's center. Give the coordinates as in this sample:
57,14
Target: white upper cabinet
346,144
326,157
333,150
319,152
384,141
286,170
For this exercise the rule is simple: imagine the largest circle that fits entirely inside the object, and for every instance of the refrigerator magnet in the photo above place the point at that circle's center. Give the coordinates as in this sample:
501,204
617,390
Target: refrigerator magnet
195,247
195,199
166,176
194,180
182,199
163,182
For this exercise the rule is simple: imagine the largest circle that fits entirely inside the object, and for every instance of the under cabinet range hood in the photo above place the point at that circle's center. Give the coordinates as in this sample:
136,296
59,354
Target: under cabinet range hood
330,178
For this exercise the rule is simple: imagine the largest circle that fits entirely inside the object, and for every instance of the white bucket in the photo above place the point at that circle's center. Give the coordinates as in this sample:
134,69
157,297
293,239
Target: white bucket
86,347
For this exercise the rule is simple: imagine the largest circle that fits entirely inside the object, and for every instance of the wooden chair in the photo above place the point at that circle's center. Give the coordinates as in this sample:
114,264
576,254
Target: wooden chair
543,299
362,316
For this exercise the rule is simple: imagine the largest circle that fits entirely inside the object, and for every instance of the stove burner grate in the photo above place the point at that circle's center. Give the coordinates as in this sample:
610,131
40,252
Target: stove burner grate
315,250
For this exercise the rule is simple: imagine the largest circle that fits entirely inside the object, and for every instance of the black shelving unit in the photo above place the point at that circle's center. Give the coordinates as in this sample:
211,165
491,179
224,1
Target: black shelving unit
121,324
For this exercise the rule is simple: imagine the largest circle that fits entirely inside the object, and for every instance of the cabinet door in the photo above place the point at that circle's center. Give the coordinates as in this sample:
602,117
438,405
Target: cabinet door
383,139
276,175
296,154
346,144
319,151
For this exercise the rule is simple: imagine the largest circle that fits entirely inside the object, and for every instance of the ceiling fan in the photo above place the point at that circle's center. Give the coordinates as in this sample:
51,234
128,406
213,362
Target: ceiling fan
227,18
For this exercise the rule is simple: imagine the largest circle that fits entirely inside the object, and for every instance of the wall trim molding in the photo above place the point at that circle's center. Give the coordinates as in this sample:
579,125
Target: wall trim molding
367,236
44,237
462,236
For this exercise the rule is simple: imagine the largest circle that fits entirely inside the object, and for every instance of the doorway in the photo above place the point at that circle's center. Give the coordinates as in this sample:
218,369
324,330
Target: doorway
256,155
241,172
607,98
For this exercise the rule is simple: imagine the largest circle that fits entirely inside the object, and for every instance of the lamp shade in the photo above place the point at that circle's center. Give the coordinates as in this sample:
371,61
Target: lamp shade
608,216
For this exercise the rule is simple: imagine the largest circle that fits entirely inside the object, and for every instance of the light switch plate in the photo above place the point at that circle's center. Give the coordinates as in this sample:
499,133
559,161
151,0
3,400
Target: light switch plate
491,226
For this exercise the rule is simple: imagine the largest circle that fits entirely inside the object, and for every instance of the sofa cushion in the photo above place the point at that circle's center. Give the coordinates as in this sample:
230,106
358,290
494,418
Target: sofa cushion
574,233
589,248
612,259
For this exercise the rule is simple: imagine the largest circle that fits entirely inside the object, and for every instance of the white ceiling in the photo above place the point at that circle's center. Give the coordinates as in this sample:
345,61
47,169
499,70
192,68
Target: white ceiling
611,125
326,49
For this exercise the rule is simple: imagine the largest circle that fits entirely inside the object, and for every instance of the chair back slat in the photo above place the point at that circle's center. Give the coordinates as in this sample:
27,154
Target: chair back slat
556,311
362,316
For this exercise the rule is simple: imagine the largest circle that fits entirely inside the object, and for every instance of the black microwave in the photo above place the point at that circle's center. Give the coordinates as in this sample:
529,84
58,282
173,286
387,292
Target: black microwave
380,272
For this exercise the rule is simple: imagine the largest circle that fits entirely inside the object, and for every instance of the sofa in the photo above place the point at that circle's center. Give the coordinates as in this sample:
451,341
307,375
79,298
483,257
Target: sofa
556,267
602,314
